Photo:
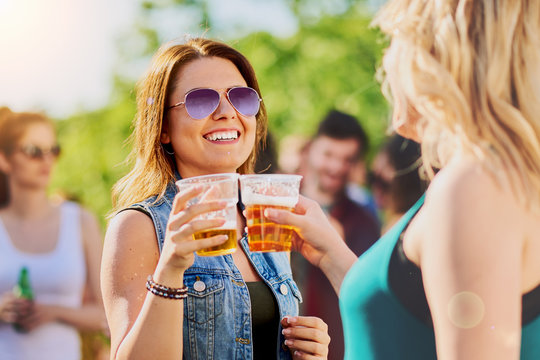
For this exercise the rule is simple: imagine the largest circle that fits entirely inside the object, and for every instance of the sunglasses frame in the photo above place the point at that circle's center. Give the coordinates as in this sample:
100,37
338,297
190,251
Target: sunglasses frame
219,94
38,153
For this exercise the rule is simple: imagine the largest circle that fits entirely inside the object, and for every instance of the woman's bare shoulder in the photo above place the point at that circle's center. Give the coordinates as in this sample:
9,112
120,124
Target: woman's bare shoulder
466,184
130,223
131,232
466,205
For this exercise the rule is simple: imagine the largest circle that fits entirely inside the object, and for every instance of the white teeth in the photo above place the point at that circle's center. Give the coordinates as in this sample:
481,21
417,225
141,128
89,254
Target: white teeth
223,136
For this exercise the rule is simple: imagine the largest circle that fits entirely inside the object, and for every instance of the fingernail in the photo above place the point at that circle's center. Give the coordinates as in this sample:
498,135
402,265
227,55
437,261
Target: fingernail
291,320
288,342
286,331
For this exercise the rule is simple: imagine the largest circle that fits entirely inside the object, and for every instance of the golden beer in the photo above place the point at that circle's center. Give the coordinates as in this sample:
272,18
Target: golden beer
227,247
264,235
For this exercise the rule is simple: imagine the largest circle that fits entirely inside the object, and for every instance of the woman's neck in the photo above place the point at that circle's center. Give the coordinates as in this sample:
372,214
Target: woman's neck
28,204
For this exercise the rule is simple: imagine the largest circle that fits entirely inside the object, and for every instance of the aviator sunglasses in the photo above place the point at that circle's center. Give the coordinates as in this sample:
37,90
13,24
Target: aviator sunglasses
202,102
37,153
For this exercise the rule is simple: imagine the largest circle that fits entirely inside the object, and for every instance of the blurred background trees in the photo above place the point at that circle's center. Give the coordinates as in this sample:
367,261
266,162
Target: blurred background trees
329,60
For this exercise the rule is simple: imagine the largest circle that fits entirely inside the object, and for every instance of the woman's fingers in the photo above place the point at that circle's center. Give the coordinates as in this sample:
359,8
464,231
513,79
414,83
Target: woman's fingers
183,216
188,247
181,199
307,337
303,349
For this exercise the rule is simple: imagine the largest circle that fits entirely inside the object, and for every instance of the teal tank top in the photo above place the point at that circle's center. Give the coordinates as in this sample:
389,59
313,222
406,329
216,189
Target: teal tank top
378,326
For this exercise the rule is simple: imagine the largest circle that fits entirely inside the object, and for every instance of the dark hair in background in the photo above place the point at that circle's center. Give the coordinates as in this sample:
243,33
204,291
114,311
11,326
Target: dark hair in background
338,125
266,162
408,185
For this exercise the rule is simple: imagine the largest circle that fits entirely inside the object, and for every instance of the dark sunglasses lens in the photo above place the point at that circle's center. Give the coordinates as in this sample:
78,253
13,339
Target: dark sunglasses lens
201,102
55,150
33,152
376,180
245,100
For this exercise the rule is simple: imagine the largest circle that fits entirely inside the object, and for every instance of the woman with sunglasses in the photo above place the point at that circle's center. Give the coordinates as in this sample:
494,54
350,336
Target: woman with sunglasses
199,112
458,277
395,178
58,243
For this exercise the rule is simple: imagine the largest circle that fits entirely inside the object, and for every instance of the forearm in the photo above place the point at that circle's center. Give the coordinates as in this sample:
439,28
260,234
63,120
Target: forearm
336,263
88,317
157,331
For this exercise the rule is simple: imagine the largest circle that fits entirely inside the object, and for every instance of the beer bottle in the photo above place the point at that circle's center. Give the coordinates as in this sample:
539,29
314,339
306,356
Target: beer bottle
23,290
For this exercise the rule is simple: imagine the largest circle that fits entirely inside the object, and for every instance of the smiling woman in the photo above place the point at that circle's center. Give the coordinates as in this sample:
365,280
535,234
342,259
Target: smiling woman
199,112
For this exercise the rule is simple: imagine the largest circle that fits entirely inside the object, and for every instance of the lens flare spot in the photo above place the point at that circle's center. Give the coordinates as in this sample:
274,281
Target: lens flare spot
150,101
466,310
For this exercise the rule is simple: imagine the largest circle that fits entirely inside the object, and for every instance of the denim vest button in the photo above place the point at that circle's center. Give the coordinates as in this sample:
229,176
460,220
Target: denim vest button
283,289
199,286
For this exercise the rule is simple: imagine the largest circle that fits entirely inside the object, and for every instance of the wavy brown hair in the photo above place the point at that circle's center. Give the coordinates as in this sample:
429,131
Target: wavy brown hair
471,71
13,126
153,168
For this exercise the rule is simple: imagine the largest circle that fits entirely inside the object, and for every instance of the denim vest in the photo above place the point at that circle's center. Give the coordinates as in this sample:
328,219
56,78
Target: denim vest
217,311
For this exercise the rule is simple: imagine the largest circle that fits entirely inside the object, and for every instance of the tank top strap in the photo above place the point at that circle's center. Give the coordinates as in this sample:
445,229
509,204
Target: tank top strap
70,227
5,242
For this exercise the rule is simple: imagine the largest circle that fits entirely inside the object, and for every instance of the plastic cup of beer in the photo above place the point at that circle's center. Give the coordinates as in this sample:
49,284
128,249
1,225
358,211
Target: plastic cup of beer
263,191
215,187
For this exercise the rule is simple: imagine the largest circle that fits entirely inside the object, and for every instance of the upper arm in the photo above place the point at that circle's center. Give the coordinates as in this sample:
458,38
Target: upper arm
93,244
130,254
471,267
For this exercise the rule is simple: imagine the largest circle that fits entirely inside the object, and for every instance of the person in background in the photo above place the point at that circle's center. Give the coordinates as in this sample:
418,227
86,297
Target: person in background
267,162
395,178
292,154
199,112
458,276
58,243
337,145
358,189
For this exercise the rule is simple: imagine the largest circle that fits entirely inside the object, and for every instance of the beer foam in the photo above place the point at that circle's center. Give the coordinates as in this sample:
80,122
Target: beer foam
259,199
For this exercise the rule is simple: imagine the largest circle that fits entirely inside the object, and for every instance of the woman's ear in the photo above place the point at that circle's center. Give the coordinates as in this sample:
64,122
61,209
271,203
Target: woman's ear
164,137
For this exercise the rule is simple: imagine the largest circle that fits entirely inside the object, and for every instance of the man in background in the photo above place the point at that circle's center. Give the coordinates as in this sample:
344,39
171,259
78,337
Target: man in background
330,158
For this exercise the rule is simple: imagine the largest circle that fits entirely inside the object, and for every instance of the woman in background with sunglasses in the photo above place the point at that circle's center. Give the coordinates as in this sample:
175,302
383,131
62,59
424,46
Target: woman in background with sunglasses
395,179
199,112
458,277
59,245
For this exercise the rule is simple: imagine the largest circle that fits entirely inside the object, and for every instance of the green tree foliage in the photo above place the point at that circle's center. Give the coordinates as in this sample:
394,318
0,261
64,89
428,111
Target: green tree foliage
328,63
93,152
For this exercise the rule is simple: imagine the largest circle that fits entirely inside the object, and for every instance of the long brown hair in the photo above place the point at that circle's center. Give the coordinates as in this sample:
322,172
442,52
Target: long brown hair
153,169
13,126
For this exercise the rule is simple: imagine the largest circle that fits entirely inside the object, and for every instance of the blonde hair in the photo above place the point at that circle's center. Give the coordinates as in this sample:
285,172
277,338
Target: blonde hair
471,71
153,168
13,127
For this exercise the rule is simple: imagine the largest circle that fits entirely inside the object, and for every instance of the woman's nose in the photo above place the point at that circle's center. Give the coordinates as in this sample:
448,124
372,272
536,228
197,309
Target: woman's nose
225,108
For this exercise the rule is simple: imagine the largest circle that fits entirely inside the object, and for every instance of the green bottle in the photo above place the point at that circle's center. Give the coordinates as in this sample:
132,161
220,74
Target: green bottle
23,290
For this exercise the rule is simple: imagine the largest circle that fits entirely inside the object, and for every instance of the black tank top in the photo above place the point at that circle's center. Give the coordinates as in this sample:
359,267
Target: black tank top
406,281
264,320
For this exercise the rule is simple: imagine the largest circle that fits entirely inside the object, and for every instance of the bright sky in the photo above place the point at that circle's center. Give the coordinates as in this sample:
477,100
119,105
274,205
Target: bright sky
58,55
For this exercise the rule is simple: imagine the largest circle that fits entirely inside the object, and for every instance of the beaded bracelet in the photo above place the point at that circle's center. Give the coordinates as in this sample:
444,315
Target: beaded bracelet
165,291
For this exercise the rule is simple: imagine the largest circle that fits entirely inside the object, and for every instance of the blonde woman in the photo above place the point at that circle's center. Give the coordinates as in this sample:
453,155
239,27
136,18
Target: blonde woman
199,112
458,276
